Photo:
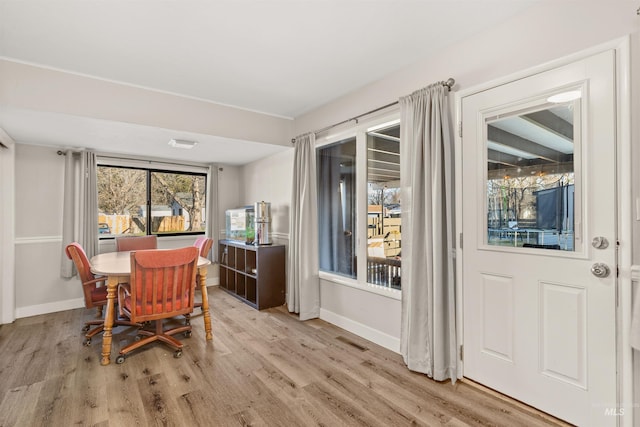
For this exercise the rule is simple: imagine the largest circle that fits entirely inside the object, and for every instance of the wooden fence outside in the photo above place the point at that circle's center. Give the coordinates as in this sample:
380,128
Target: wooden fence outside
126,224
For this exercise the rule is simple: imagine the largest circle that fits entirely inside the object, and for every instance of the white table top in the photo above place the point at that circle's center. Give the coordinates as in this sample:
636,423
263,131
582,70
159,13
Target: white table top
119,263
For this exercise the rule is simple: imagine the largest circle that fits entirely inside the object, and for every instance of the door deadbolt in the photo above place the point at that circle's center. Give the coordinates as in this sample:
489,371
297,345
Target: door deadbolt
600,242
600,270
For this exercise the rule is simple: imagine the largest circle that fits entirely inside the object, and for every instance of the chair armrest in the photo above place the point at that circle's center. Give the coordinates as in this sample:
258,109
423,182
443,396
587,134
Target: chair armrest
124,289
94,281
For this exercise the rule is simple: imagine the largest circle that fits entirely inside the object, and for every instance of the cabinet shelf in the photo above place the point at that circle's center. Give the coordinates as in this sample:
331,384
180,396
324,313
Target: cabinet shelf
253,274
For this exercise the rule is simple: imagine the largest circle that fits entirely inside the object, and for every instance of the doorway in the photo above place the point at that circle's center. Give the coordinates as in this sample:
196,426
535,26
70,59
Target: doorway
539,253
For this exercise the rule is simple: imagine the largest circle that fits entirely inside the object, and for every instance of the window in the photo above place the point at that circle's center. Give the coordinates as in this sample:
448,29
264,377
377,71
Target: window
337,207
358,196
384,238
137,201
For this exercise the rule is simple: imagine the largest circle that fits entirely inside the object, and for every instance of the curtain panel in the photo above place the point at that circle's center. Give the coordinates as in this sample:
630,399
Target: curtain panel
80,206
428,329
303,285
213,216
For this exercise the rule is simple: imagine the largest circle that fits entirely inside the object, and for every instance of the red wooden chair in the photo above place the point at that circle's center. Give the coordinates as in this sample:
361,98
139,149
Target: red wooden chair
204,245
161,286
136,243
94,295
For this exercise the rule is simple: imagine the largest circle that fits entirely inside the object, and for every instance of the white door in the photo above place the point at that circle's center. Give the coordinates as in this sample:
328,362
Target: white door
539,228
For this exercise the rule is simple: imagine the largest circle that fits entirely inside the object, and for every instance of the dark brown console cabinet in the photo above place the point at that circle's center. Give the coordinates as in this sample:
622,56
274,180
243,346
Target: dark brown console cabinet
253,274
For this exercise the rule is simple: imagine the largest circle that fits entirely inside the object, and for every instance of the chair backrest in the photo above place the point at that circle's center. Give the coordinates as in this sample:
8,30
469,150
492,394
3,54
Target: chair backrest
204,245
136,243
76,253
162,283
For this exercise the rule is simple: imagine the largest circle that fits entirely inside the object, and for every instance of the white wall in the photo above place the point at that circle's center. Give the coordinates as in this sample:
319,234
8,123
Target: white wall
39,178
7,229
269,180
230,192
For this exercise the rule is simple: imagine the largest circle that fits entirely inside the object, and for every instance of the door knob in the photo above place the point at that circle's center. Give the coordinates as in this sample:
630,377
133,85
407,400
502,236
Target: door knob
600,270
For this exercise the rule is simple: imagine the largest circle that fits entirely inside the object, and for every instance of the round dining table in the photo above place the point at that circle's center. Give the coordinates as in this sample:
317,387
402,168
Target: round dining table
116,267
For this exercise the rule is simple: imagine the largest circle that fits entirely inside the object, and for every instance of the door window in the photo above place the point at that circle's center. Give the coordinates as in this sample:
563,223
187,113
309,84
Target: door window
531,182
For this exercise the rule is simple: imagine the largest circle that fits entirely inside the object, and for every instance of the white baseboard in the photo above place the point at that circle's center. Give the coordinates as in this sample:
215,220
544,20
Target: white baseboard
384,340
50,307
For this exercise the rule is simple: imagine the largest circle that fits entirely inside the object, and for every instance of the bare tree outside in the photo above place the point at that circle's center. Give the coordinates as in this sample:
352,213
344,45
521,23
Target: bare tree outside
121,190
379,194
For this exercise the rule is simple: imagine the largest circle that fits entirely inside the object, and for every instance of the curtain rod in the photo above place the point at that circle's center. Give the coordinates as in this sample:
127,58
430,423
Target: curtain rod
449,84
135,158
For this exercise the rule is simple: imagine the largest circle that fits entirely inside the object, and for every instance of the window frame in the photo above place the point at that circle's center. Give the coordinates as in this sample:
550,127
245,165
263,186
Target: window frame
359,131
151,166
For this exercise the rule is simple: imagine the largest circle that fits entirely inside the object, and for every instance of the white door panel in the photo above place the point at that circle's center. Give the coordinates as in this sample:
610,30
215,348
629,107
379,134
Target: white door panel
538,186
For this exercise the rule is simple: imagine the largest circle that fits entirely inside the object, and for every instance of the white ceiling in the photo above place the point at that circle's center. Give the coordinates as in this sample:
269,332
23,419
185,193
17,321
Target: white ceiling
279,57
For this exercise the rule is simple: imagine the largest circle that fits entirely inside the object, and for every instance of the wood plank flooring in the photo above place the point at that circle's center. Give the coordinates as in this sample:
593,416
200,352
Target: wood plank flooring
263,368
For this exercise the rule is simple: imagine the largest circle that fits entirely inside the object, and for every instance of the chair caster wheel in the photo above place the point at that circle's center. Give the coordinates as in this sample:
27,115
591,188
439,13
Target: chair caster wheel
120,359
138,337
87,342
177,354
85,328
187,334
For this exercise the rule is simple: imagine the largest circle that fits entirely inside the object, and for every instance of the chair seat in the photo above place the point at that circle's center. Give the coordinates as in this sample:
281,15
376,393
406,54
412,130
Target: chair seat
99,294
169,306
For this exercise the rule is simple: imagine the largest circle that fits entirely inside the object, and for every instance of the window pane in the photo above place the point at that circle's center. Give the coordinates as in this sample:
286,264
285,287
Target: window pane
337,207
531,179
122,196
384,240
177,203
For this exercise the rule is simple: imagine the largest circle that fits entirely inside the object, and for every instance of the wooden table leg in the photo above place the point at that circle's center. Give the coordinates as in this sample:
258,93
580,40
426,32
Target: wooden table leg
112,284
202,277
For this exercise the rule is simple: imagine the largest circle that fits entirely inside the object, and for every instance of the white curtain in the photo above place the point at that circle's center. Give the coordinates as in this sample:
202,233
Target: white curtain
213,216
303,287
80,206
428,329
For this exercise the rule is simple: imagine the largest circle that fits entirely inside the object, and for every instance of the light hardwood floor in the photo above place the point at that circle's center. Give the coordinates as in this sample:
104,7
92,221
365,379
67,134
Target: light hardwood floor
261,369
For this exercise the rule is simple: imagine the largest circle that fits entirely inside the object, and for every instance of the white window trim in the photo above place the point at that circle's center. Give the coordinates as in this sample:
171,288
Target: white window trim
134,162
363,286
140,163
359,131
